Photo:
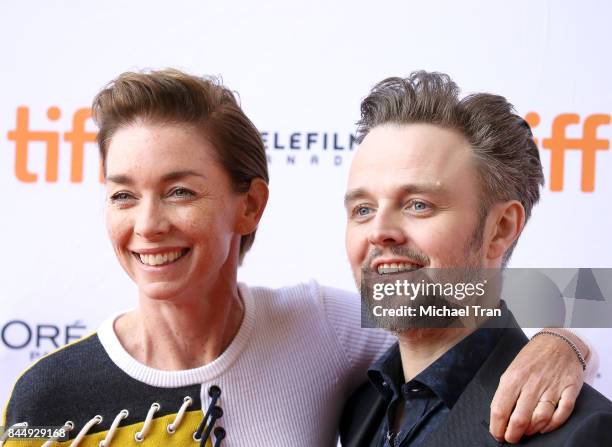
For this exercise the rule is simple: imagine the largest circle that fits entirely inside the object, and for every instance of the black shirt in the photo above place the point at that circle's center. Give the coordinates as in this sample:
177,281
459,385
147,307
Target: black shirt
429,397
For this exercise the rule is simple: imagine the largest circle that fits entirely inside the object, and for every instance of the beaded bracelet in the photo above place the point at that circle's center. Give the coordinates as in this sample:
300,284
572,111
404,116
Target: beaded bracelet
569,342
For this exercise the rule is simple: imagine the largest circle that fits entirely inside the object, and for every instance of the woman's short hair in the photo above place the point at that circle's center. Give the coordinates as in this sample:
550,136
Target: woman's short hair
173,97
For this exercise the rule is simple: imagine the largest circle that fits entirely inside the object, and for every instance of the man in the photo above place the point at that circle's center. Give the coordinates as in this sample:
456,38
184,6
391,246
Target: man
440,182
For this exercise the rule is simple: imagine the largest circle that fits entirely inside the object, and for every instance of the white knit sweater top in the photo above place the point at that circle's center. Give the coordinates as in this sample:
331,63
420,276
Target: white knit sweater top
299,353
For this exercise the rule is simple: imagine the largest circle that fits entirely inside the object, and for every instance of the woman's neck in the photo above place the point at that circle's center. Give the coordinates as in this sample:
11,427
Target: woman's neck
182,334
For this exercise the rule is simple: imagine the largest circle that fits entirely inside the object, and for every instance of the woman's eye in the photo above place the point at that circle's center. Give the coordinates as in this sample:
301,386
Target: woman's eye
182,193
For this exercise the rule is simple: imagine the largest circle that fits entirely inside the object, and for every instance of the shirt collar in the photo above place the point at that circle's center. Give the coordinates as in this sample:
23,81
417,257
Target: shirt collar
448,376
386,374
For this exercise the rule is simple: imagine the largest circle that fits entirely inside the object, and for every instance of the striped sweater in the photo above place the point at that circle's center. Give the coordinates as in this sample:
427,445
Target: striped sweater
283,381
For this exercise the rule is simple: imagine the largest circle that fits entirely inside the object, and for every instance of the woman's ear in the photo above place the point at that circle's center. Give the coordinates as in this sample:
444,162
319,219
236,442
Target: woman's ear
253,204
505,223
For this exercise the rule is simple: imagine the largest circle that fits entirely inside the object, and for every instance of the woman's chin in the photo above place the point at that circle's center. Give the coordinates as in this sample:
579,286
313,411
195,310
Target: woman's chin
159,292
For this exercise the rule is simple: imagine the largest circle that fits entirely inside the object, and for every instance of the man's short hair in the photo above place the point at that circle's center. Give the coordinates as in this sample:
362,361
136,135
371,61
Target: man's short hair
507,159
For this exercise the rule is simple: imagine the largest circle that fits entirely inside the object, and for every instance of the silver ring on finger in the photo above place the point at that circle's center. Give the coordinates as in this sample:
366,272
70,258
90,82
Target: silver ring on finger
549,402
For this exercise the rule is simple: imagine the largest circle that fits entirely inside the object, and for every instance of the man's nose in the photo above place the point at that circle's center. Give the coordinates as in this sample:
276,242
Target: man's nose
151,220
387,229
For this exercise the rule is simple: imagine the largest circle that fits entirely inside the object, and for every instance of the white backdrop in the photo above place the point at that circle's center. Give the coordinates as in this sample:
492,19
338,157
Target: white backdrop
299,68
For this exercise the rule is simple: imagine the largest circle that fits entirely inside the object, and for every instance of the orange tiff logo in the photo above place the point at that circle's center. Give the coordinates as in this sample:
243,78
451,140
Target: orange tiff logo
558,143
22,135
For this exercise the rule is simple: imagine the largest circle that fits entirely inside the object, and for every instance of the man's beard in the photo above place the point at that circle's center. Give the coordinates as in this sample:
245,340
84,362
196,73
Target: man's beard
467,269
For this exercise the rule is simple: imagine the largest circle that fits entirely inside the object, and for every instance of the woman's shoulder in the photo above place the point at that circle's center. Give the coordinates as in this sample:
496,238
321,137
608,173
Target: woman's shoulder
80,381
306,293
307,304
54,378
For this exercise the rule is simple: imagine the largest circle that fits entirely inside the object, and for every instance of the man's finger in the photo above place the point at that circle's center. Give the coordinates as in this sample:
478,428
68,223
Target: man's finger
521,416
564,408
501,407
541,415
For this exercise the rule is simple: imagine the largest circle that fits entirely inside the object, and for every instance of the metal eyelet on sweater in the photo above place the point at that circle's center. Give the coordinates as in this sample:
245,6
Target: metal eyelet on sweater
140,435
113,428
171,428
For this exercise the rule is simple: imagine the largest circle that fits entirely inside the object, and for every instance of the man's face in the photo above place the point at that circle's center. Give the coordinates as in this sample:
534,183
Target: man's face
412,201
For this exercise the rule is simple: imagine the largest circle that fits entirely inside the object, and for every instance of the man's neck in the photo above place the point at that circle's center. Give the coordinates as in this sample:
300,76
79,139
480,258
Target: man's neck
419,348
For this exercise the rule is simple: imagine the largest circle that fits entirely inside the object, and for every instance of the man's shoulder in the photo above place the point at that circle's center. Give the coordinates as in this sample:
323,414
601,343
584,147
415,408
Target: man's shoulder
590,409
592,400
589,424
467,423
592,415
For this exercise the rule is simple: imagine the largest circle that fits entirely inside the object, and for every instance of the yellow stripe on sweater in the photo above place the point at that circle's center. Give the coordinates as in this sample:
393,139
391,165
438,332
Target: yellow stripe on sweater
157,436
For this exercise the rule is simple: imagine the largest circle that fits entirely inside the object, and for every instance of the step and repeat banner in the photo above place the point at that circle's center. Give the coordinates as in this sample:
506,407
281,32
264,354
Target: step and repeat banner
300,69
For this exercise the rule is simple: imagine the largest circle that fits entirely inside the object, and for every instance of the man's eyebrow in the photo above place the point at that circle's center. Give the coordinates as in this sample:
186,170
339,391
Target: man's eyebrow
354,194
420,188
425,188
122,179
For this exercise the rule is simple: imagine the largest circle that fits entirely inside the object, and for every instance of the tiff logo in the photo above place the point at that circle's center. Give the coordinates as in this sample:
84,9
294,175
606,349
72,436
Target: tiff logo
558,143
22,135
78,136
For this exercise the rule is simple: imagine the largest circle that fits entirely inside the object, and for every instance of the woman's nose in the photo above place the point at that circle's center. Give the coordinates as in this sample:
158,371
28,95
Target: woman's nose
151,220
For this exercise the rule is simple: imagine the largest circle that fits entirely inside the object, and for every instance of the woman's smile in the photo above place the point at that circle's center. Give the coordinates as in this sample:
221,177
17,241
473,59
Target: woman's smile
160,258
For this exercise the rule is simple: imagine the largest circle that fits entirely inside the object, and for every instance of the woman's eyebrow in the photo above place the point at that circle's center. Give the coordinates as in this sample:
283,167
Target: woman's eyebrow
123,179
177,175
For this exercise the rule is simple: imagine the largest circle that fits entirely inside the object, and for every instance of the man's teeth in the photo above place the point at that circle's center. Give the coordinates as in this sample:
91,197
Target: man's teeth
397,267
160,259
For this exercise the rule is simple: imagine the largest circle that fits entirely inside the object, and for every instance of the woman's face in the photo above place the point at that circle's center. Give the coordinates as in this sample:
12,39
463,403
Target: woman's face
172,215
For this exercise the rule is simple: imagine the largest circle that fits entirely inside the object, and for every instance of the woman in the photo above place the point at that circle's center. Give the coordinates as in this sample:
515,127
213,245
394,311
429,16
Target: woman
186,181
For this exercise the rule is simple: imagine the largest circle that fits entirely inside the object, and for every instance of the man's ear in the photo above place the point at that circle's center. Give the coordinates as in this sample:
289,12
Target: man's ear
504,225
253,204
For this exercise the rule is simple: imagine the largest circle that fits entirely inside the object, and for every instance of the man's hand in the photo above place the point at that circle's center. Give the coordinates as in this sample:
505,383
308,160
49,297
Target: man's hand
539,388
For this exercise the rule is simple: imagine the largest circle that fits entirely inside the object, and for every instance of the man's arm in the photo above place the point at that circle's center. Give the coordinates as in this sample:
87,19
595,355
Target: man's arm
538,390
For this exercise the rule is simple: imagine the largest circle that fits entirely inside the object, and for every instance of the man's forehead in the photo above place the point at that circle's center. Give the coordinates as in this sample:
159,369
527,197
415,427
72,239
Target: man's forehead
412,153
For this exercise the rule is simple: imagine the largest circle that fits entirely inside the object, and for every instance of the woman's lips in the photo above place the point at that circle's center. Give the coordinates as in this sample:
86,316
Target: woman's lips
159,259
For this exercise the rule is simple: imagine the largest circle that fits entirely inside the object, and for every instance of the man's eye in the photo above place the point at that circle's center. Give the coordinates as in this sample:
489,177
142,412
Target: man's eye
361,211
419,206
120,197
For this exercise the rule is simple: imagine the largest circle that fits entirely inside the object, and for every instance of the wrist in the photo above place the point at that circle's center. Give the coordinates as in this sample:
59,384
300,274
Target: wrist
574,342
574,338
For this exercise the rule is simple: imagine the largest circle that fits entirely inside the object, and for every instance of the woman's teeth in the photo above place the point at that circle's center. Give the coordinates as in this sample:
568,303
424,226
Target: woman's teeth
397,267
161,259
